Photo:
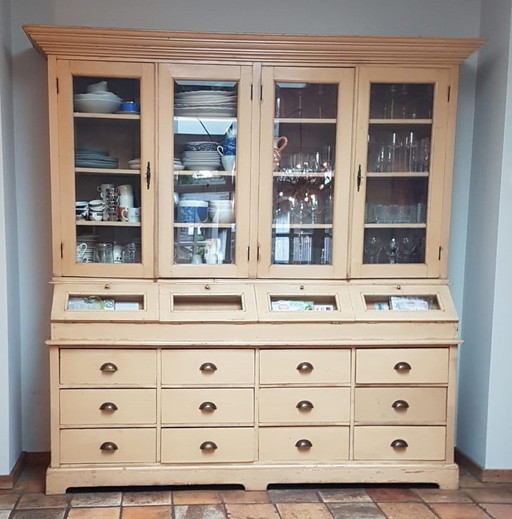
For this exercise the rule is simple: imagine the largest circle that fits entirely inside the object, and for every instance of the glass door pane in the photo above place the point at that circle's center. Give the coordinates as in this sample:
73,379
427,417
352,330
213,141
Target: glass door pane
304,165
398,171
205,172
106,162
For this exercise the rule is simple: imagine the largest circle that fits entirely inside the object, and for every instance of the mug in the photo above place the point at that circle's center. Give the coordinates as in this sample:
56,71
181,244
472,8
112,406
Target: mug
123,214
278,149
81,249
228,162
133,214
118,253
96,216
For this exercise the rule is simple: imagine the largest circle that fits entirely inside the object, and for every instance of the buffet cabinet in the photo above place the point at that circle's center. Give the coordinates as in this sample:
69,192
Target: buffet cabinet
250,258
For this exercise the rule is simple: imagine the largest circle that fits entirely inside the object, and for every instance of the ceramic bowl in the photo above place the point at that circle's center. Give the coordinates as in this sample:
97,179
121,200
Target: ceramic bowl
104,106
200,146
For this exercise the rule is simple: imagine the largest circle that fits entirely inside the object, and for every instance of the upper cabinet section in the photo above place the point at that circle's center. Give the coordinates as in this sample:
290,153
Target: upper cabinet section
405,131
203,155
104,203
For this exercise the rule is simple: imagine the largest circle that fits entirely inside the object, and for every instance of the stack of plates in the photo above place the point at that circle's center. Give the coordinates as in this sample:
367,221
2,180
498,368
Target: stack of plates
134,163
206,103
94,158
178,165
201,160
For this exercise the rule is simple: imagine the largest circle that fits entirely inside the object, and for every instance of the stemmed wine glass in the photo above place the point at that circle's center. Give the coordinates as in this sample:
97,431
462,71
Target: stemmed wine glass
372,249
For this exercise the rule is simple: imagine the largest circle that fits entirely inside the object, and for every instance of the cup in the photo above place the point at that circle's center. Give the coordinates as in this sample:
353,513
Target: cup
104,253
118,253
129,106
81,249
95,216
130,253
133,214
123,214
212,251
228,162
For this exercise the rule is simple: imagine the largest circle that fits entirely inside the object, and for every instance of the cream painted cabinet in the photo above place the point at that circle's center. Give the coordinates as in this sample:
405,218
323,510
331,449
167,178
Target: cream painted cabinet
250,247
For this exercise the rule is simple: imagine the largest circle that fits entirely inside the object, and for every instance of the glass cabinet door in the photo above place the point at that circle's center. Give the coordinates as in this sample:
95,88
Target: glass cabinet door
204,151
399,175
106,164
305,141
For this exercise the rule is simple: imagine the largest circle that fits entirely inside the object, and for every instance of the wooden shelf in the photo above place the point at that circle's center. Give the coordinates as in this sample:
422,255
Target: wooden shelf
87,115
106,171
407,122
395,225
87,223
394,174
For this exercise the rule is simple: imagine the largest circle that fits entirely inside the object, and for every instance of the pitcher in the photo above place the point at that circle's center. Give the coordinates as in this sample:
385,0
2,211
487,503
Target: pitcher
280,144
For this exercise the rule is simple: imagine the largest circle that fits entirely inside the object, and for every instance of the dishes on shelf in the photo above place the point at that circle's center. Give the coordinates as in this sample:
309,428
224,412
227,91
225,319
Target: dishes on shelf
94,158
99,102
178,165
201,160
134,163
207,103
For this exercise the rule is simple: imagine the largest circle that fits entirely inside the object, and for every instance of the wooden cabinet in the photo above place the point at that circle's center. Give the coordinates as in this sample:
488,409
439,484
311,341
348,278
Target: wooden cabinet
250,258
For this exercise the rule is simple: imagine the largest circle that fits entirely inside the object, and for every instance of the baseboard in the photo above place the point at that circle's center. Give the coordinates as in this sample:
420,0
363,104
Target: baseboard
9,480
484,475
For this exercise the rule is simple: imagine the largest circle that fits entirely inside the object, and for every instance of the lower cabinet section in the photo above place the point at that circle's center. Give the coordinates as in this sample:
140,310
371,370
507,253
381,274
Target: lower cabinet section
304,444
208,445
106,446
253,416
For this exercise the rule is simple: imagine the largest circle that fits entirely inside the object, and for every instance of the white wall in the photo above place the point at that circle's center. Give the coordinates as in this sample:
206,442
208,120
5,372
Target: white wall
10,374
484,398
456,18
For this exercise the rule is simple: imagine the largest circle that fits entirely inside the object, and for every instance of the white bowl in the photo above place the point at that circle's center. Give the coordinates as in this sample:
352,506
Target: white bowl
97,106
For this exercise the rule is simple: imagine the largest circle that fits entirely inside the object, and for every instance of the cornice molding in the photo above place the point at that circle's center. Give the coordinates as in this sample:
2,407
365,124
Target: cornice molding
157,45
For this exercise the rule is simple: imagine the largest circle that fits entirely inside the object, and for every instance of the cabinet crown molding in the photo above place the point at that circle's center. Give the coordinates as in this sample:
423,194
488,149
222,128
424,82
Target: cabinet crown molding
321,50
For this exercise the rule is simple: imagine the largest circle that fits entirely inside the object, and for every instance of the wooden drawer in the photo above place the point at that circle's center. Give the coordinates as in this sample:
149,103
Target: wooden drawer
305,366
207,445
421,443
99,446
402,366
107,406
207,367
304,405
82,367
204,406
400,405
303,444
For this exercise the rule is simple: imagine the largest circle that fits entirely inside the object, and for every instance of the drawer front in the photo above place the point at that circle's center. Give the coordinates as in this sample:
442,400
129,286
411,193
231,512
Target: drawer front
402,366
99,446
400,404
207,445
304,405
205,406
304,366
107,367
421,443
303,444
107,406
207,367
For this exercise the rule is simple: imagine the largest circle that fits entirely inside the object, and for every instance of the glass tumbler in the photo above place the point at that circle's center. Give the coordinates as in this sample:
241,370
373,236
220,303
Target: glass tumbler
104,253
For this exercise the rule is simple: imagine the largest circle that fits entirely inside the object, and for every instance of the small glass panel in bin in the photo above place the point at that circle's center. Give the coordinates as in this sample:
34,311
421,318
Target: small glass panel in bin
303,303
411,303
106,303
205,169
107,164
303,173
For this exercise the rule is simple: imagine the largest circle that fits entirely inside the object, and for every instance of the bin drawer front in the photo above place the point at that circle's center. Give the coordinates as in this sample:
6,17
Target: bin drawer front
107,406
402,366
400,404
208,445
107,367
204,406
400,443
304,405
207,367
306,366
304,444
108,446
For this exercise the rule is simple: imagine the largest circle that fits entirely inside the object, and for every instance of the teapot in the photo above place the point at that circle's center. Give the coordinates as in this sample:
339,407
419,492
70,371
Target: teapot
278,149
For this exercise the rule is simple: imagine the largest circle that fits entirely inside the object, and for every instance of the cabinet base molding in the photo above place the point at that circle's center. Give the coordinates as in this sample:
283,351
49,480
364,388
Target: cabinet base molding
252,477
484,475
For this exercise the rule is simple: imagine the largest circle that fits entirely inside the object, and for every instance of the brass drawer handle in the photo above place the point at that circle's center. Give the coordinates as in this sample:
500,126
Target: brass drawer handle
399,444
108,406
305,405
402,366
208,446
400,404
305,367
108,367
304,444
109,446
209,407
209,367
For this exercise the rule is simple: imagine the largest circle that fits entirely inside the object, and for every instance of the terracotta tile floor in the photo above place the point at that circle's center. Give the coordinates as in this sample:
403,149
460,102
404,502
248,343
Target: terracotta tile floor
474,500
